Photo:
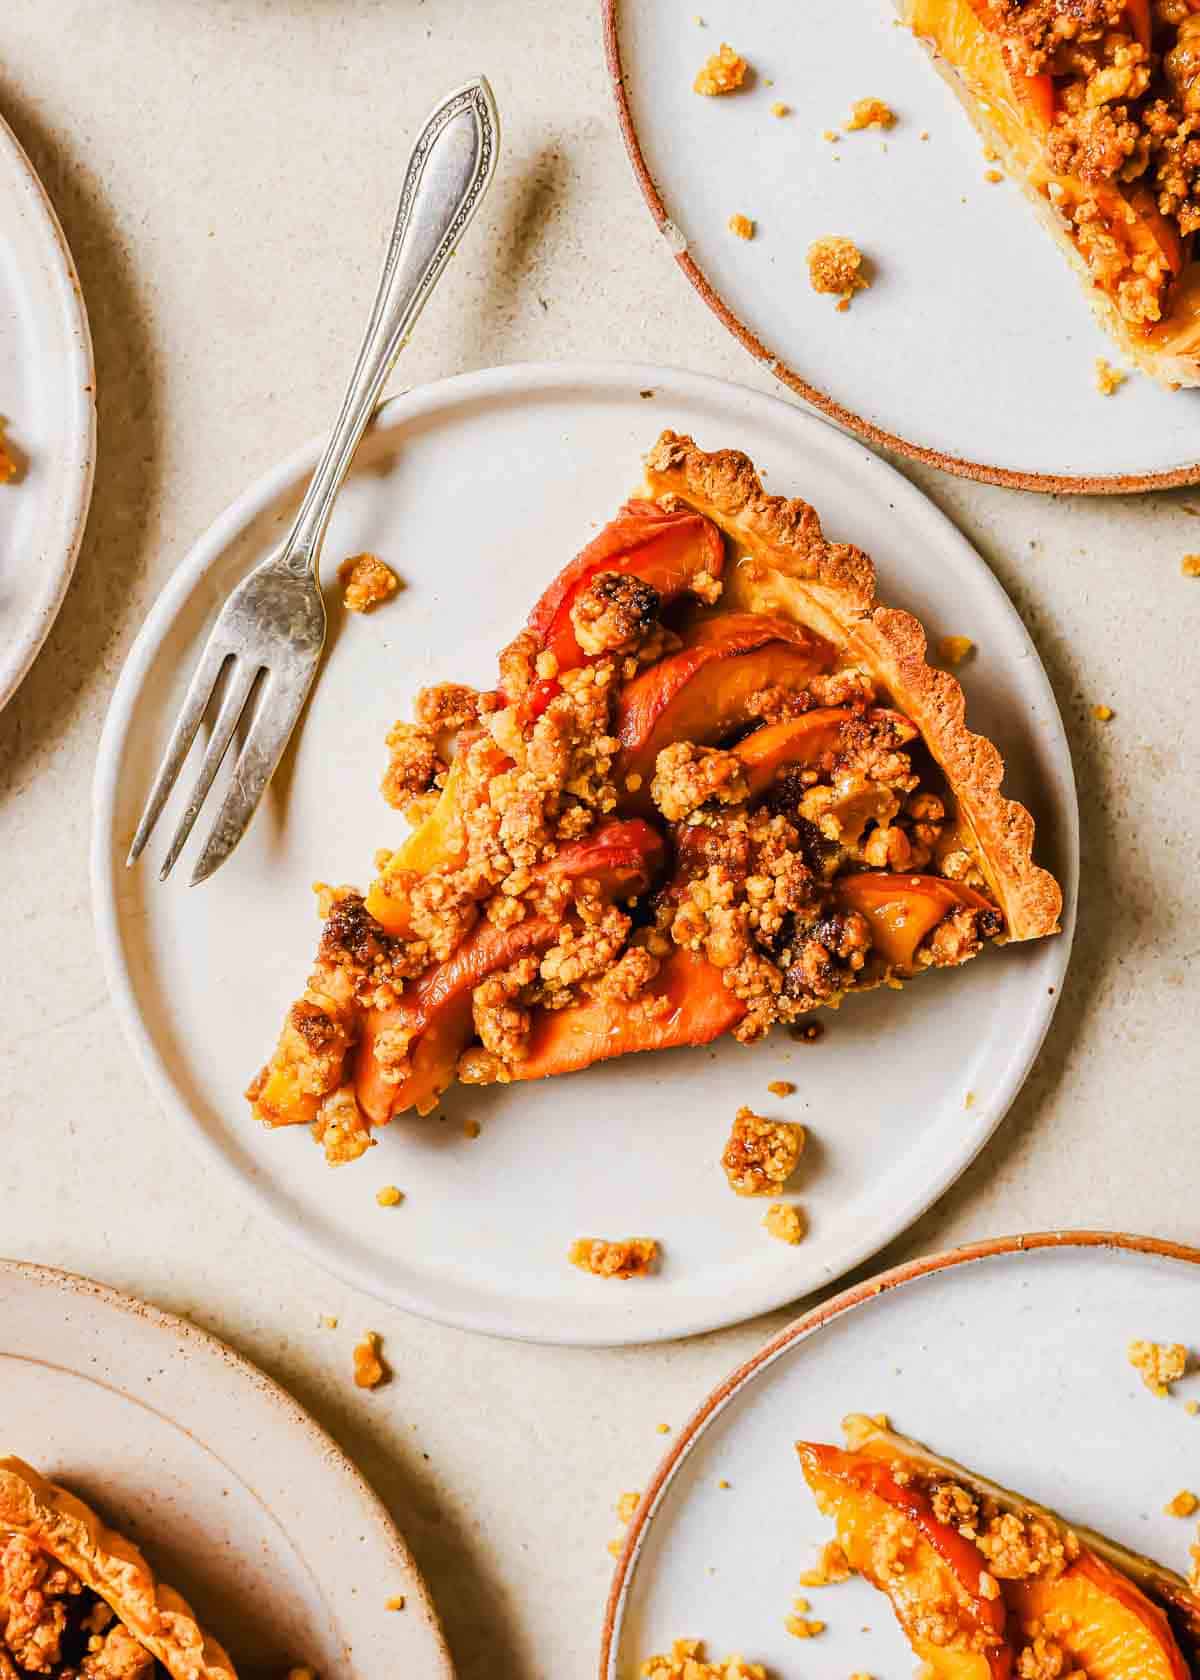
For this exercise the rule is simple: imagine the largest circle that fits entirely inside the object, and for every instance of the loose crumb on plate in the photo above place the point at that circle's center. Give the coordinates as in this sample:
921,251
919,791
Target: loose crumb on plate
366,582
471,1128
830,134
800,1628
1191,1407
627,1504
1160,1364
629,1258
835,268
1184,1504
327,1322
1190,565
369,1368
807,1032
779,109
761,1155
389,1196
969,1100
870,113
686,1661
784,1222
663,1428
396,1603
952,650
992,176
781,1088
8,465
742,226
1108,378
1103,714
724,72
832,1567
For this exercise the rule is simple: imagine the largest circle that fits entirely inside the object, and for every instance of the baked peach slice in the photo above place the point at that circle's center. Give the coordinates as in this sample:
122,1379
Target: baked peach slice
686,1003
880,1521
903,909
703,691
668,550
623,858
804,741
1106,1624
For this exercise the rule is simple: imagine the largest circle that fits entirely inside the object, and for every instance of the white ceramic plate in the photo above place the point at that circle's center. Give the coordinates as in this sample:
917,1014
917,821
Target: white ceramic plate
478,490
1009,1356
48,405
975,347
237,1497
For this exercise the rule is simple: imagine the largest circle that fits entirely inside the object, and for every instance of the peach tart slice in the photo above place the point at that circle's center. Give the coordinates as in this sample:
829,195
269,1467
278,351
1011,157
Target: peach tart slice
713,786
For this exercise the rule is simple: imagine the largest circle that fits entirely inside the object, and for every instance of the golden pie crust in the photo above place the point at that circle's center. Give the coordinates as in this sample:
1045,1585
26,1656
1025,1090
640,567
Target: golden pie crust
787,566
108,1565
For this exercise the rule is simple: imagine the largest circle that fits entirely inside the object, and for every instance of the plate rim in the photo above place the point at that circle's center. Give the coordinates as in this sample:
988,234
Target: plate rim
846,1300
182,1330
982,472
81,471
492,382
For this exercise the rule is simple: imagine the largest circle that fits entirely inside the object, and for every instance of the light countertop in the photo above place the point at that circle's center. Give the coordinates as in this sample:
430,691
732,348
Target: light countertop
225,171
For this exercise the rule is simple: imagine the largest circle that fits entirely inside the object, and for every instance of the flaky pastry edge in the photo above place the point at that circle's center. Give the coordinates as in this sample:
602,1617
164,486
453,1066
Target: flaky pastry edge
787,565
112,1567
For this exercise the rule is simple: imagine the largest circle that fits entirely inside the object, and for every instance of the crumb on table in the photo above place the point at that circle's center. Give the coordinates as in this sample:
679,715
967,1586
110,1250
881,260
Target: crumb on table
835,268
742,226
784,1222
389,1196
1190,565
800,1628
1184,1504
366,582
832,1567
724,72
686,1661
952,650
1159,1363
760,1154
369,1369
629,1258
1108,378
781,1088
870,113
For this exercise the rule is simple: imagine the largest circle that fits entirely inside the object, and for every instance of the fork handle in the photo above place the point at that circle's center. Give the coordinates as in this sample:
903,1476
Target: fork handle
450,169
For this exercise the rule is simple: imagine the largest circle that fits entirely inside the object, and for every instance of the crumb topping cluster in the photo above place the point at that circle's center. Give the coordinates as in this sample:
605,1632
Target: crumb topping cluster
52,1625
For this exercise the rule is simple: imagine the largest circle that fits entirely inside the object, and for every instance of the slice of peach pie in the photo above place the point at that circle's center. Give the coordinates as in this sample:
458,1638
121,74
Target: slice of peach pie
716,786
985,1583
78,1602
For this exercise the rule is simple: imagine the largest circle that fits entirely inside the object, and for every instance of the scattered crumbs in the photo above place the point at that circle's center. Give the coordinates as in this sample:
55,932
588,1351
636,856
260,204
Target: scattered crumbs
369,1369
800,1605
627,1504
698,21
1160,1364
1191,1407
723,1483
781,1088
366,582
870,113
663,1428
860,1676
8,465
471,1128
833,1567
779,109
992,176
615,1548
808,1032
784,1222
389,1196
396,1603
800,1628
742,226
1184,1504
1190,565
686,1661
835,268
830,134
724,72
760,1155
924,134
632,1257
969,1100
327,1322
1103,714
1108,378
952,650
645,394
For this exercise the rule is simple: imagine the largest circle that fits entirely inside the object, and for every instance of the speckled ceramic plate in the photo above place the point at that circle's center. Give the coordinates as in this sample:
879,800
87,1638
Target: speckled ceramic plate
1009,1356
237,1497
48,409
478,490
975,347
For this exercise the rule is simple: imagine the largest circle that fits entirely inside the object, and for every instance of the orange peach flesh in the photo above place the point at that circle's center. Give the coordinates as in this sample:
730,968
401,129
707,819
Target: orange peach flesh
1108,1627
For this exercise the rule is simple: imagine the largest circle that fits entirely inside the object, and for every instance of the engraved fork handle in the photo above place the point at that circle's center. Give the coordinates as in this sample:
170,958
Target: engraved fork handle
450,170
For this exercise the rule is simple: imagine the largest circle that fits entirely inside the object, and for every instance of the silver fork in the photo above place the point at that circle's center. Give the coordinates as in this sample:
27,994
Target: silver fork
272,628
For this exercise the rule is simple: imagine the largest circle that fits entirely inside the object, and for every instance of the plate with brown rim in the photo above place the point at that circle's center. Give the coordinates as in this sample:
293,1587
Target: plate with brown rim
1008,1355
974,348
501,1180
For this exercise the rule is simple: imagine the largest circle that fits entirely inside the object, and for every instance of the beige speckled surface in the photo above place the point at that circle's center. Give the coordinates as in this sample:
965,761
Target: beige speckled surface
225,172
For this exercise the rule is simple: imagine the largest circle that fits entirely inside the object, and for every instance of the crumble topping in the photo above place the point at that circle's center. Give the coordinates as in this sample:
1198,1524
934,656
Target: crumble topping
1108,378
369,1369
1159,1363
831,1569
761,1155
870,113
835,267
52,1625
631,1257
800,1628
785,1223
389,1196
779,109
1190,565
781,1088
1184,1504
952,650
366,582
724,72
686,1661
741,226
